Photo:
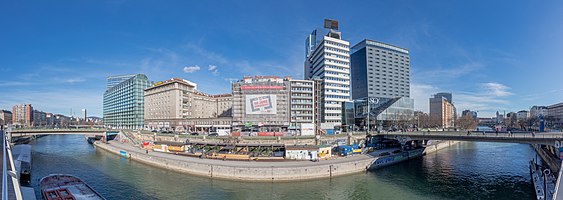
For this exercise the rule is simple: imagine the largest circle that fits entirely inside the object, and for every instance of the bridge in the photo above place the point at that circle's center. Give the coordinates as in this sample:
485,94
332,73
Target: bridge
545,138
33,132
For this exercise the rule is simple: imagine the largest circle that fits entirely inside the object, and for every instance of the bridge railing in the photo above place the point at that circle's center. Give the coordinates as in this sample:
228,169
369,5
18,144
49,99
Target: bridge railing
546,135
7,157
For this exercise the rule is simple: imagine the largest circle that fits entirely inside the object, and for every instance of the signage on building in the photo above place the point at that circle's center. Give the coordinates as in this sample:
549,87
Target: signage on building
261,87
373,100
331,24
261,104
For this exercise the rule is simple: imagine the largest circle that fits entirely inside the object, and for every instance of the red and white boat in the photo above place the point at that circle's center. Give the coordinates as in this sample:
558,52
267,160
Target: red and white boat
66,187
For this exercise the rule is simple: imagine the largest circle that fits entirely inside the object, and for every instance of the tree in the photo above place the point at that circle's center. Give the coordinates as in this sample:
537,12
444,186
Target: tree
467,122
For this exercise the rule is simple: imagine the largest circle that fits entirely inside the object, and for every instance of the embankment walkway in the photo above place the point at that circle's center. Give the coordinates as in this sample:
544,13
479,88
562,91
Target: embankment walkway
245,170
252,170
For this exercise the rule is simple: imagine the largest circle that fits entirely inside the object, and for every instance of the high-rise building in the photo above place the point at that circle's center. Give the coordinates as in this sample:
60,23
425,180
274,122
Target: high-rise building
380,78
22,115
380,70
124,103
442,112
302,97
176,105
5,117
328,58
114,80
446,95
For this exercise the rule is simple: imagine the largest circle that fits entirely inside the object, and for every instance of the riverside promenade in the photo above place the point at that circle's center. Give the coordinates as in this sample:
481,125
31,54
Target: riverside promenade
281,171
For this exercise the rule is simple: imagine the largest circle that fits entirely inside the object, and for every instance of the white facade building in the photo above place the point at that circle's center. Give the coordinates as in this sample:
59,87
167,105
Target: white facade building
328,58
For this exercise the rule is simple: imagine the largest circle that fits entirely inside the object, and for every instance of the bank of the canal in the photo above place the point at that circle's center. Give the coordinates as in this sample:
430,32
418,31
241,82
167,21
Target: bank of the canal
265,171
464,171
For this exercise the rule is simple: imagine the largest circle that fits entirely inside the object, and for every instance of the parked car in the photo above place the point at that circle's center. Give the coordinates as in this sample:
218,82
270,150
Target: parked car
213,134
194,133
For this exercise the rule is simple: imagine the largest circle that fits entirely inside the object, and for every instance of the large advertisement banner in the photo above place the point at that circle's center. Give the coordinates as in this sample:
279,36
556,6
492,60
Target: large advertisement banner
260,104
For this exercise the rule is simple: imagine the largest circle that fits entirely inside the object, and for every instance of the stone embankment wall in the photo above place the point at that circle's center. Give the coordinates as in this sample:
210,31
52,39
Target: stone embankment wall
272,173
441,145
547,157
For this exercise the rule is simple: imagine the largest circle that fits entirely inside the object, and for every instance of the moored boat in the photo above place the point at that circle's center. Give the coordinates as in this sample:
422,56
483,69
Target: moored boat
61,186
543,180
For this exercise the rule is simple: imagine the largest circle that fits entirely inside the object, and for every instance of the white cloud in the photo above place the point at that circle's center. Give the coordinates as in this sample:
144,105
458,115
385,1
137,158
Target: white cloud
231,79
191,69
75,80
421,93
449,73
213,69
497,89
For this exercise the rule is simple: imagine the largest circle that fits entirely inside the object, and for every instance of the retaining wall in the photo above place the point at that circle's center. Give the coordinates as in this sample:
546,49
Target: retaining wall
259,173
272,173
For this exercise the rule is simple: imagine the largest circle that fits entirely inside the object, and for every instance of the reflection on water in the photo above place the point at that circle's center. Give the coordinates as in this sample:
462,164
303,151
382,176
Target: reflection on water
466,171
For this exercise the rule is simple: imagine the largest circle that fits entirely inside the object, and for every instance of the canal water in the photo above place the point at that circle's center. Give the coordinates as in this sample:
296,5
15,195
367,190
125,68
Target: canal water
470,170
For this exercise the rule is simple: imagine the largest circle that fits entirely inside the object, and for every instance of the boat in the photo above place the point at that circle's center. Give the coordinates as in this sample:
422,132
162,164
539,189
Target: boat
22,160
63,187
544,181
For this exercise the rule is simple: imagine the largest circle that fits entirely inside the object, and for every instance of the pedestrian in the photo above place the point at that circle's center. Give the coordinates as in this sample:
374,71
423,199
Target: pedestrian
146,151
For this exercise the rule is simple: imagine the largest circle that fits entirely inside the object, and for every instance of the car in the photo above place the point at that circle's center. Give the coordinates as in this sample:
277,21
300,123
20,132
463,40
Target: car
213,134
154,131
384,154
194,133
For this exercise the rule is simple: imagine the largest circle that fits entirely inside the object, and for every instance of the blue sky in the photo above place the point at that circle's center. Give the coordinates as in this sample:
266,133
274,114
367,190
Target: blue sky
492,55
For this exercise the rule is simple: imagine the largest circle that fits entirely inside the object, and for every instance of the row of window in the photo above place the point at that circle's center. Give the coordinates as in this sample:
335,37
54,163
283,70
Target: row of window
337,44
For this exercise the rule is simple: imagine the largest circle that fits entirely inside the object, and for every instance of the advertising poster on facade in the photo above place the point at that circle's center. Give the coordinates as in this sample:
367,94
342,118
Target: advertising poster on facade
260,104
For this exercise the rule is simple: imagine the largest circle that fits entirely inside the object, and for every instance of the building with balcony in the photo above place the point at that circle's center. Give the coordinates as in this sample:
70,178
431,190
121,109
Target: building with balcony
22,115
442,112
328,59
302,101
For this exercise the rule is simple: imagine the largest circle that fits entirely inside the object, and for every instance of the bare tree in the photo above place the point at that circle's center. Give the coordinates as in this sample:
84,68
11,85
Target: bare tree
467,122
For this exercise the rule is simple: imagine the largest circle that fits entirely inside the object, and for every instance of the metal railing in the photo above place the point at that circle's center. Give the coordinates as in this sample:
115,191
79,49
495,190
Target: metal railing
8,157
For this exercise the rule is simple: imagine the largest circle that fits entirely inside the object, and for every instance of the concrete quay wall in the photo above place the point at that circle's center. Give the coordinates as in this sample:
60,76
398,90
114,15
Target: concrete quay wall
272,173
276,172
548,158
439,146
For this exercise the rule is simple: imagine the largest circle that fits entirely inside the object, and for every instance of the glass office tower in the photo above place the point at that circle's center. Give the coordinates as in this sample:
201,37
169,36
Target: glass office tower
124,103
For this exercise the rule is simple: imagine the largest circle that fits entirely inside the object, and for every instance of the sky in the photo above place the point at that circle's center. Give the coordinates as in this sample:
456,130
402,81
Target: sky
492,55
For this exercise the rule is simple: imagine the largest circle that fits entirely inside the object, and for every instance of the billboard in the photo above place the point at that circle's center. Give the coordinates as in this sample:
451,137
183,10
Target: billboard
261,104
331,24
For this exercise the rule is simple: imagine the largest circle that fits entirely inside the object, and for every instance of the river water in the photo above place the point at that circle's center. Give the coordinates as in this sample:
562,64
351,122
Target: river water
469,170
